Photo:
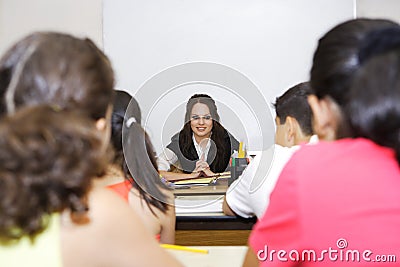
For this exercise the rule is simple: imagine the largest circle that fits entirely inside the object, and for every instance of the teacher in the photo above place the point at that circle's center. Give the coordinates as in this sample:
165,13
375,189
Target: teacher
202,147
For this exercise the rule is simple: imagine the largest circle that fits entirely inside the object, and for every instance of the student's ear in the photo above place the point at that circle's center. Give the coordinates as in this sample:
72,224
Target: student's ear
101,124
296,132
291,130
325,117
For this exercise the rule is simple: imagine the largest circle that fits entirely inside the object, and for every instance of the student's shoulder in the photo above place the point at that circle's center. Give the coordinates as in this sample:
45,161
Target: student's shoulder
101,194
283,149
90,242
307,151
320,151
281,152
106,206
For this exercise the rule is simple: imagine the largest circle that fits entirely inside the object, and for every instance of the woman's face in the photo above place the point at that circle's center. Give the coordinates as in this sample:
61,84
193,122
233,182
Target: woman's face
201,121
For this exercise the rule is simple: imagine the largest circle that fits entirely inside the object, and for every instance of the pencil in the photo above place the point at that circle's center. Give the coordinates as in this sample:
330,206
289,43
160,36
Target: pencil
176,247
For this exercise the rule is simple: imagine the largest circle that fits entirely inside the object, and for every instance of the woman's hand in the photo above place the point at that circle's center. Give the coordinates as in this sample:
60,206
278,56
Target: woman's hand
194,174
201,165
208,172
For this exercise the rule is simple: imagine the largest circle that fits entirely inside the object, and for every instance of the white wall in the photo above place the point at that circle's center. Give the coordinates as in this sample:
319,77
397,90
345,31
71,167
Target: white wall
389,9
21,17
268,41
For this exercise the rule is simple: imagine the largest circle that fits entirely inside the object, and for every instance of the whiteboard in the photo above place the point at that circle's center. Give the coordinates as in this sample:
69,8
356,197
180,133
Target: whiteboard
269,43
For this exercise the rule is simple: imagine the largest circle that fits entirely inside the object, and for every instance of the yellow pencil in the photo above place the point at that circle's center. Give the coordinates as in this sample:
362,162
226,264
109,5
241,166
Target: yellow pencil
176,247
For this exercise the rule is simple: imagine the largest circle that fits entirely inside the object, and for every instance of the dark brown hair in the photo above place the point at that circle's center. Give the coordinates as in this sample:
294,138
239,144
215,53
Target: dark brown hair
341,52
374,109
136,158
47,161
294,103
57,69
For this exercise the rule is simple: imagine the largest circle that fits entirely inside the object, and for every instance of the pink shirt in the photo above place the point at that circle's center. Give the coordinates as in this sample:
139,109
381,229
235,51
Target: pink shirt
335,203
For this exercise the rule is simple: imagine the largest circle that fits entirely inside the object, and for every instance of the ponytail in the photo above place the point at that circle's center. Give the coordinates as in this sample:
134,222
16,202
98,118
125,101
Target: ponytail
374,101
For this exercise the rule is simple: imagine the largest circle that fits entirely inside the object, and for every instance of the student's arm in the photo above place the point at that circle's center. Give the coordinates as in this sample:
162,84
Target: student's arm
226,209
237,199
115,236
168,223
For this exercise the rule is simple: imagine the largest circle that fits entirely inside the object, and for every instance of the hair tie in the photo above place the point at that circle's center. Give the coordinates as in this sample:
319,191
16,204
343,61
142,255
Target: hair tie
55,108
130,121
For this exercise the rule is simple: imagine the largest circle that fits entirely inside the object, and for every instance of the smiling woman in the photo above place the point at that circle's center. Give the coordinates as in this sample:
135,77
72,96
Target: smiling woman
202,146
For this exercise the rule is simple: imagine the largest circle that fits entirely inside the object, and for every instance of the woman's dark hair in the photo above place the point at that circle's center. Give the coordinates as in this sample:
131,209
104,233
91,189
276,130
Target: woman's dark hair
219,134
136,158
47,161
122,101
57,69
338,58
374,106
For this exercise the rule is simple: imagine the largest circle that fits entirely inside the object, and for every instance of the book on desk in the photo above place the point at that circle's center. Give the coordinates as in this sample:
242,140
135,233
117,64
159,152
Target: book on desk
204,179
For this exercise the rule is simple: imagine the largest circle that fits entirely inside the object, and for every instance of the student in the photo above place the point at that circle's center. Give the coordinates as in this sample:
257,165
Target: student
345,194
43,179
293,127
68,73
139,181
202,146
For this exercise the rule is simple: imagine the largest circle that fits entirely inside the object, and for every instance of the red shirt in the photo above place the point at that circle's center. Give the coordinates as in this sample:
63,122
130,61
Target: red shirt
341,196
122,189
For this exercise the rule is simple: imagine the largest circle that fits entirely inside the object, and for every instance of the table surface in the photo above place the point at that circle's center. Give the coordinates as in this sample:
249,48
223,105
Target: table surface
198,204
219,188
231,256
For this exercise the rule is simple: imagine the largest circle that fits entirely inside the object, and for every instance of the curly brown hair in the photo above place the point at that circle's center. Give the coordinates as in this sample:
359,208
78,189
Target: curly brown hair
47,161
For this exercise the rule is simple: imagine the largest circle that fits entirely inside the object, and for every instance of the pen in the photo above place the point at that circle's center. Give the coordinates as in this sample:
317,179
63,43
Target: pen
176,247
182,187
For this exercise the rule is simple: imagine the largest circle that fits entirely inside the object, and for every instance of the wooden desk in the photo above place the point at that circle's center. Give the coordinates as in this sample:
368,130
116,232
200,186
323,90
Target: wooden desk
214,229
232,256
198,228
